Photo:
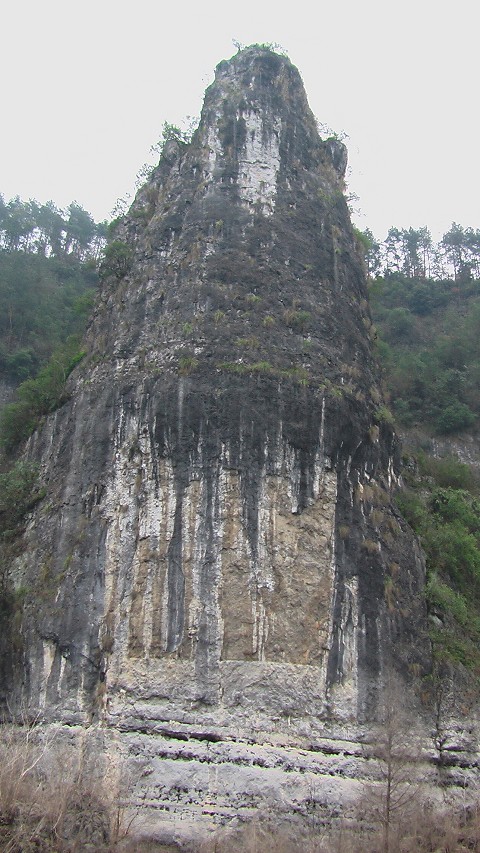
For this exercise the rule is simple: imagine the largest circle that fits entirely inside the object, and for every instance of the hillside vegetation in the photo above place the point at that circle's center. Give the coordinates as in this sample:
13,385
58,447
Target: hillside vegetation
428,346
48,277
429,350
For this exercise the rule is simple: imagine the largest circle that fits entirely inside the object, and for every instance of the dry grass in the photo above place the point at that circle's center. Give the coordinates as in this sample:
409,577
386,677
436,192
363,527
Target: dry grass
428,830
49,803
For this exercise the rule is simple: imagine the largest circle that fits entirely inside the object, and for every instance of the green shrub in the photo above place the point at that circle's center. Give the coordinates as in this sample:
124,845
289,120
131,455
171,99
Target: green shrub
261,367
451,645
298,374
456,506
451,603
453,551
187,364
447,520
297,320
400,324
447,472
17,422
38,397
117,260
403,413
19,491
431,371
250,343
412,508
233,367
42,302
454,418
242,368
19,365
383,415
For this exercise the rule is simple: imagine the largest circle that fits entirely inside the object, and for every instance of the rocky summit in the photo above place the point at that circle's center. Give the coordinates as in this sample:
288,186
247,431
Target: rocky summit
217,581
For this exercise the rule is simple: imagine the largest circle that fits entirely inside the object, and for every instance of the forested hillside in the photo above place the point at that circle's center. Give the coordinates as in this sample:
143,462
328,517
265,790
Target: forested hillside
48,277
428,345
48,261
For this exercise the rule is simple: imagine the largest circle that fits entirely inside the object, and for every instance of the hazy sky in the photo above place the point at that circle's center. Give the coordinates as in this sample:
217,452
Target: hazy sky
87,86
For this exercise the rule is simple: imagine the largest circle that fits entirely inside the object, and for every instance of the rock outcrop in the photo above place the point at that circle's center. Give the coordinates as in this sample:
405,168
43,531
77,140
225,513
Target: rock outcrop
218,558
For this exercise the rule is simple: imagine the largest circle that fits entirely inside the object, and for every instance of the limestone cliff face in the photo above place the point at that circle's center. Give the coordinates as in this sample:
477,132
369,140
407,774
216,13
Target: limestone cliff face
218,546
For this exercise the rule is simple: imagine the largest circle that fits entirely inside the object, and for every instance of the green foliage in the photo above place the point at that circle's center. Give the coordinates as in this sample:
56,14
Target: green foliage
38,397
272,47
447,472
412,253
453,551
233,367
444,598
364,240
449,645
456,506
261,367
17,422
431,368
80,231
454,418
187,364
43,301
171,133
442,507
18,365
298,374
412,508
117,260
249,343
46,230
383,415
242,368
400,324
297,320
19,491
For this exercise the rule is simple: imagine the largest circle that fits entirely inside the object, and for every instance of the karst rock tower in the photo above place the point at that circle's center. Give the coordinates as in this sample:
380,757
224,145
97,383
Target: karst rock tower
217,557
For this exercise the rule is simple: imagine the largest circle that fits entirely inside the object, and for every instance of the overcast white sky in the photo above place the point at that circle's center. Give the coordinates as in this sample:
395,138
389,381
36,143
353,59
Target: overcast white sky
87,86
